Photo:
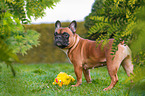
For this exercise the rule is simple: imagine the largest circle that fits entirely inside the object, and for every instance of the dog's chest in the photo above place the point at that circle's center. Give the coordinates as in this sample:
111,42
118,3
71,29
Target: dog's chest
66,52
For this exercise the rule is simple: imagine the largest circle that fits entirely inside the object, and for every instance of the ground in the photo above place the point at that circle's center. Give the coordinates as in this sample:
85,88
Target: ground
36,80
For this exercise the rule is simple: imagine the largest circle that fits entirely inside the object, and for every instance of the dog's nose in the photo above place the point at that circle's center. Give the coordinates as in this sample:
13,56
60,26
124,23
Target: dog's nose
59,37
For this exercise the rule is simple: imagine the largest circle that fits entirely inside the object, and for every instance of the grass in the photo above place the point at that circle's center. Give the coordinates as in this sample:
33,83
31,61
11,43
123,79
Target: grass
36,80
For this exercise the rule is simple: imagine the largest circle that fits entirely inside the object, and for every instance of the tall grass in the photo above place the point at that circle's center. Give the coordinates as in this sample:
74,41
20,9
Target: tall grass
36,80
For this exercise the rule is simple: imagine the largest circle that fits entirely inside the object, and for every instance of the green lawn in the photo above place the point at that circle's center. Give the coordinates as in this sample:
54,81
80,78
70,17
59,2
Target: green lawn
36,80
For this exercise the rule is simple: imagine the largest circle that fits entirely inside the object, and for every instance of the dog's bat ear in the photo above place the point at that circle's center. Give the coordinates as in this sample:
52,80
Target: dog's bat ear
73,26
57,24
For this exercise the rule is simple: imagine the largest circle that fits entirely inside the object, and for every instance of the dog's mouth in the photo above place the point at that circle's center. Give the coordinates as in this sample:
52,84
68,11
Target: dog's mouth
61,44
58,44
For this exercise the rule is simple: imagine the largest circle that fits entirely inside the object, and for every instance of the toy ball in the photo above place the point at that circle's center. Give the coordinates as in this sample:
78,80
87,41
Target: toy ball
63,79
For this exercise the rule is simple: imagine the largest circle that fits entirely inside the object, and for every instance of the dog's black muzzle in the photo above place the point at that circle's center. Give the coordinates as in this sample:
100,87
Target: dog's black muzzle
61,42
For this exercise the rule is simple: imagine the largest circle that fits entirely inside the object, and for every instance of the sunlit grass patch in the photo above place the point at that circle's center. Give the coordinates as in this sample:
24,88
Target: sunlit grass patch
36,79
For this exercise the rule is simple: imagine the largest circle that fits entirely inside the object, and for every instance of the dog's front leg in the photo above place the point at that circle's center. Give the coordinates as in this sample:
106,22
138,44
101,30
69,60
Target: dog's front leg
87,75
78,71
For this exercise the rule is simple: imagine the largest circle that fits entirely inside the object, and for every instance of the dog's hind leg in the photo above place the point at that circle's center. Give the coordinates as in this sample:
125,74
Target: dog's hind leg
112,70
113,66
127,65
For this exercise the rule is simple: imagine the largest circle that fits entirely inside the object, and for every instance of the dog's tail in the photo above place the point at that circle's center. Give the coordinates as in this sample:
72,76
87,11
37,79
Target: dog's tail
122,42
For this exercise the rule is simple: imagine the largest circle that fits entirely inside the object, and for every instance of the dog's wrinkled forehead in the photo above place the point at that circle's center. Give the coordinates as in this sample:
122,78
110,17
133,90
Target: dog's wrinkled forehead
62,30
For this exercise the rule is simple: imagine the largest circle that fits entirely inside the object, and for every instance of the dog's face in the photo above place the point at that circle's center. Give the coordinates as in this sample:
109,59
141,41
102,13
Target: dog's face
64,37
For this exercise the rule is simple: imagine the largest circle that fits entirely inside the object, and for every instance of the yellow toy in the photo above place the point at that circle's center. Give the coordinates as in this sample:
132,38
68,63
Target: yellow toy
63,79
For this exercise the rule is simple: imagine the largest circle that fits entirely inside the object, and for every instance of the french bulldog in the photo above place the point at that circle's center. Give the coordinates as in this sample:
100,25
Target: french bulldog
86,54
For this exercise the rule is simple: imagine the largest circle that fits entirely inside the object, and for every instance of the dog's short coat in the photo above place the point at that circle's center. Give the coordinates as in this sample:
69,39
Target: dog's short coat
84,54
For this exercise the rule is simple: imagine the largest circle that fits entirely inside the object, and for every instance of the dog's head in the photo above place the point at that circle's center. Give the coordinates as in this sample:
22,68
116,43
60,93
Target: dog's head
64,36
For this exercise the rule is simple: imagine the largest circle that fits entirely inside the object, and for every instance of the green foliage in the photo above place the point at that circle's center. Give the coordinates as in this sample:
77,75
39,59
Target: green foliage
115,19
138,85
47,52
36,7
36,80
21,41
138,49
138,45
13,38
98,5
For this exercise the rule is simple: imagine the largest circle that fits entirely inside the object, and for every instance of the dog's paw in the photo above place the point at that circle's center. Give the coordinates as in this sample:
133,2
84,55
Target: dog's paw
105,89
76,85
73,86
89,82
108,88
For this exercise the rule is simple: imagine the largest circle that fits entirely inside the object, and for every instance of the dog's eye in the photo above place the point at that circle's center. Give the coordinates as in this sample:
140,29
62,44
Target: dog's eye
55,33
65,34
